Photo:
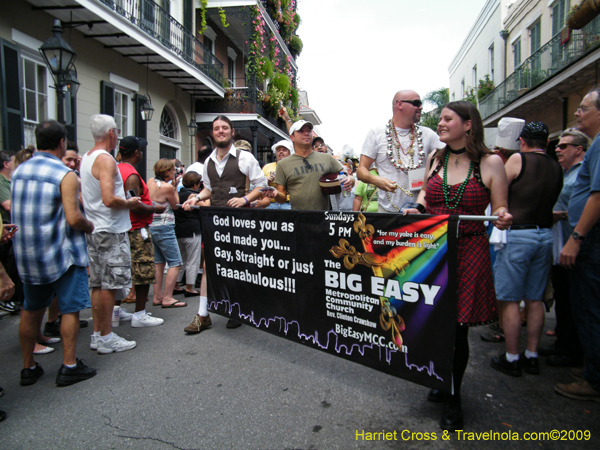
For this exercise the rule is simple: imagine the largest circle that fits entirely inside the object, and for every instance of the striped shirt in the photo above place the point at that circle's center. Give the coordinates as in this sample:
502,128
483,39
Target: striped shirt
45,245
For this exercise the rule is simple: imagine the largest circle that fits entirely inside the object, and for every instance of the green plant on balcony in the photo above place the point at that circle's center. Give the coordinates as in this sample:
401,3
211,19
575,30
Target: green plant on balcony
295,46
470,95
484,87
203,6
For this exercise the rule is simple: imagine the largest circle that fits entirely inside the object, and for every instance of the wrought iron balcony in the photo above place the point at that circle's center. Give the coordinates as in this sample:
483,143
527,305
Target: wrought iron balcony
245,100
543,64
158,23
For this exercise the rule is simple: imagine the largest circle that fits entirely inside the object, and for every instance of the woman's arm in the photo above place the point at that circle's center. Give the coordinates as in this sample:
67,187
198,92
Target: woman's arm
492,169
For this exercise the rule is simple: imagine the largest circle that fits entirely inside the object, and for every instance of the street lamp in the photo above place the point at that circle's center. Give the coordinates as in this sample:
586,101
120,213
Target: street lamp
146,109
59,56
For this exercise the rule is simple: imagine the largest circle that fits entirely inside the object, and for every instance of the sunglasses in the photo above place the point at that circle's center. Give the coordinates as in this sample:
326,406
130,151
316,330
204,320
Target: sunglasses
415,103
564,146
307,165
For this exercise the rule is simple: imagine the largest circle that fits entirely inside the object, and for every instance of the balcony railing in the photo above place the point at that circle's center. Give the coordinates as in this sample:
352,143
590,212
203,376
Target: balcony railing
159,24
543,64
243,100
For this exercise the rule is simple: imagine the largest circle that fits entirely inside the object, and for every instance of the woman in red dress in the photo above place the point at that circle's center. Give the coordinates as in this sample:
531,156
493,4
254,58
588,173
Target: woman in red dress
462,179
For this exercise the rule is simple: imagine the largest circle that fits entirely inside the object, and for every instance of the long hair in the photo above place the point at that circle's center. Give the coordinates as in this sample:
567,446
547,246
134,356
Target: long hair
476,148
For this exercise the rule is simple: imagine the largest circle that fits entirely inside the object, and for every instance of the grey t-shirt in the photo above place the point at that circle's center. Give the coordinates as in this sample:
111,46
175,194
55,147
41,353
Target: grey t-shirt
301,179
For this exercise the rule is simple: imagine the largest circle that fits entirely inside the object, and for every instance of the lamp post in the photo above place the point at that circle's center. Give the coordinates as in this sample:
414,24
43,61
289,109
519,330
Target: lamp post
59,57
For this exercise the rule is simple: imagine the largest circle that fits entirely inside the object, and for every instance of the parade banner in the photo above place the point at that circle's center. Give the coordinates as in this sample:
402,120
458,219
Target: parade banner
376,289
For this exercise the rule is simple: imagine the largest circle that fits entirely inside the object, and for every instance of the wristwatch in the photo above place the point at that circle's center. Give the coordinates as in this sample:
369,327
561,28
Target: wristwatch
575,235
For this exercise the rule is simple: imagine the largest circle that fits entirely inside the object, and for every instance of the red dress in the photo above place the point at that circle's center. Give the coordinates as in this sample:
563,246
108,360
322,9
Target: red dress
476,294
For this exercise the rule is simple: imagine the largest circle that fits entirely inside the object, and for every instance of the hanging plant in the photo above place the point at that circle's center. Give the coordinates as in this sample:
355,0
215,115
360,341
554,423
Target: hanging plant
281,82
223,17
203,5
295,45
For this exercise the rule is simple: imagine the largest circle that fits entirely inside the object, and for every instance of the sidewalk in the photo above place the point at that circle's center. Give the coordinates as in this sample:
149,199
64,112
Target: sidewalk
247,389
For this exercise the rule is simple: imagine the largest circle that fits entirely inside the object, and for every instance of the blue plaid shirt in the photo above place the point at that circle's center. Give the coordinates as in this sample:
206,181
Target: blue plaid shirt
45,245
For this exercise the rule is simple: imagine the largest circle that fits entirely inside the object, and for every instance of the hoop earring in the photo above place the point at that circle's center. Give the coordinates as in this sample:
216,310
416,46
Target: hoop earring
467,133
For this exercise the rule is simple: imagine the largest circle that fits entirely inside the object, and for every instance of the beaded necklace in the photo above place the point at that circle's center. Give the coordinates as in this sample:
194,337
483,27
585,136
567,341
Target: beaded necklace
458,196
395,159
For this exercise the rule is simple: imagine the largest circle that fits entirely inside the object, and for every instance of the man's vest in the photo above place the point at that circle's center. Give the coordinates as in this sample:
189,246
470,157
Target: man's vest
231,177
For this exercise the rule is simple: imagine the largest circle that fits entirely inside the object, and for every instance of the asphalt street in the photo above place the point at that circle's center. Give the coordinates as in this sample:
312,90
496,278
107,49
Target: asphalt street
248,389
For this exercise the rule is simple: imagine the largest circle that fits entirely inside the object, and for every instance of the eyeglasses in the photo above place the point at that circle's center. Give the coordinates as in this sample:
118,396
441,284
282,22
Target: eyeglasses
564,146
415,103
319,145
307,165
583,109
118,130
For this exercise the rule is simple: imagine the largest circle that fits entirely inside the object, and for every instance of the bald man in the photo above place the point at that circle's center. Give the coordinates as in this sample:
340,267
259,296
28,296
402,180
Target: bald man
399,149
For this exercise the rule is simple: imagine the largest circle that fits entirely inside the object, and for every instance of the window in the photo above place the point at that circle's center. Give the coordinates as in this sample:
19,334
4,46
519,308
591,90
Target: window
453,97
475,75
35,97
491,61
559,13
535,37
231,71
517,53
168,124
122,113
231,57
462,88
35,91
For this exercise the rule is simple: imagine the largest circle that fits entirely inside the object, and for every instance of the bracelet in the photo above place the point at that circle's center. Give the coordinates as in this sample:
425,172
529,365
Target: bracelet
421,208
197,197
289,120
247,202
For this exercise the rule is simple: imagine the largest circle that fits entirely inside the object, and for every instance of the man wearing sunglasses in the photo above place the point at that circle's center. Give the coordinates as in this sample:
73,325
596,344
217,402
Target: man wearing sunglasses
567,351
581,254
400,150
298,174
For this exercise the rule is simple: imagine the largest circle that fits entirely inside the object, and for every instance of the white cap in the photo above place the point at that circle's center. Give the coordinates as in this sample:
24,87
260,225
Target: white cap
509,130
284,143
297,125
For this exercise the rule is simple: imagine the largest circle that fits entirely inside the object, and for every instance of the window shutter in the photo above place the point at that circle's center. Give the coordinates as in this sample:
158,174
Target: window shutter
107,98
140,131
12,103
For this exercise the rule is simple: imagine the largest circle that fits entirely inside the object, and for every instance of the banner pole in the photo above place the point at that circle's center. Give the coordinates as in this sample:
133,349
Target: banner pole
481,218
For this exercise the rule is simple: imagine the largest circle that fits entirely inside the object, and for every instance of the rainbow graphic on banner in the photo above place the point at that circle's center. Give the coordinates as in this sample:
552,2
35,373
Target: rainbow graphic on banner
401,256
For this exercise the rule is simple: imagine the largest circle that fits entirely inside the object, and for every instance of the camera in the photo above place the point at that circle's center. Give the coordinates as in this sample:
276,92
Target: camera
178,170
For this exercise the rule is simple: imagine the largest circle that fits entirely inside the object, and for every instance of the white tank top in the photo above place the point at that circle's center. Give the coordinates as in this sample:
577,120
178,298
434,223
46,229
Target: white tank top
104,219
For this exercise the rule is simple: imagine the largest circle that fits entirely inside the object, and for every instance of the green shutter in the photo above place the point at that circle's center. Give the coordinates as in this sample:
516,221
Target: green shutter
11,101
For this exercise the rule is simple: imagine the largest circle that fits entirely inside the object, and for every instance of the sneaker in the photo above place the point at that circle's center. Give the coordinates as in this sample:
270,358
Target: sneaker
30,376
529,365
94,341
198,324
579,390
124,315
116,344
52,328
146,321
67,376
10,307
509,368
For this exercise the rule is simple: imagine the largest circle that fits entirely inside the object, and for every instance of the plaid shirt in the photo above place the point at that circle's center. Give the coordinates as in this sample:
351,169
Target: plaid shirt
45,245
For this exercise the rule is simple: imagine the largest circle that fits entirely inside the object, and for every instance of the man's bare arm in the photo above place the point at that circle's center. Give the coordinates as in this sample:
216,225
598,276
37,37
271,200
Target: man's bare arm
69,192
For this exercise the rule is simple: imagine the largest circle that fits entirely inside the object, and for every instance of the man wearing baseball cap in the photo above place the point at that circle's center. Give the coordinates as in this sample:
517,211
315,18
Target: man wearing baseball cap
143,271
281,149
522,266
298,174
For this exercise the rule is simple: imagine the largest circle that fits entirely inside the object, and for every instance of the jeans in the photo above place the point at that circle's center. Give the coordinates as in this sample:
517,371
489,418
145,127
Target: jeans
585,301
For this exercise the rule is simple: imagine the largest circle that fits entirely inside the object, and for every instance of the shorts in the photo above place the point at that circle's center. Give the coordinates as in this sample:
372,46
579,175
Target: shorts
522,267
166,249
143,270
110,260
71,289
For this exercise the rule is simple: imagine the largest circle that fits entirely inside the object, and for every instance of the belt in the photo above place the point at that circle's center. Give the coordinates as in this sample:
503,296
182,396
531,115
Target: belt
527,227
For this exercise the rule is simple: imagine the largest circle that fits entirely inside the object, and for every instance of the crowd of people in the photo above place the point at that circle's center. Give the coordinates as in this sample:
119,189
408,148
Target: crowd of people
108,235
